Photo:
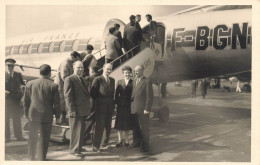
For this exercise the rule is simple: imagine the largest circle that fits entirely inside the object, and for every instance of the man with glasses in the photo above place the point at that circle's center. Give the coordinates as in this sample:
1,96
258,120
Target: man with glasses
13,95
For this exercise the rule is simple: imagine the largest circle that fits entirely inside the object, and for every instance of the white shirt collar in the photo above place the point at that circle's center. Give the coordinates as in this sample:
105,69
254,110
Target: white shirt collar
11,74
126,81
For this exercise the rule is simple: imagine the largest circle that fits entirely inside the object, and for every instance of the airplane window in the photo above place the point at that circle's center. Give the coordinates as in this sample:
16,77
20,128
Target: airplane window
29,50
62,46
20,50
51,47
45,48
40,47
68,46
35,48
82,44
12,50
25,49
7,50
75,45
16,49
56,46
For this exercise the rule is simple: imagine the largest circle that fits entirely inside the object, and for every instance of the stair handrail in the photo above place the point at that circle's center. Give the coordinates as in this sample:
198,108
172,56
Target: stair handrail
130,50
99,52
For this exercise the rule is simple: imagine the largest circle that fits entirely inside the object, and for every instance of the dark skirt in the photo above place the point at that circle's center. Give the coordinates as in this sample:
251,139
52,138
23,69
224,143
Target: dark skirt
123,118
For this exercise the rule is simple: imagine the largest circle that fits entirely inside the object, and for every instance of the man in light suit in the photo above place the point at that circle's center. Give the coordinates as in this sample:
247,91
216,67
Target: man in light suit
41,101
65,69
102,91
77,100
13,94
142,99
113,47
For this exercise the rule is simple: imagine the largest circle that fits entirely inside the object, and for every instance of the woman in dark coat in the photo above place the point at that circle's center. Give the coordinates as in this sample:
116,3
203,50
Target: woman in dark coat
123,100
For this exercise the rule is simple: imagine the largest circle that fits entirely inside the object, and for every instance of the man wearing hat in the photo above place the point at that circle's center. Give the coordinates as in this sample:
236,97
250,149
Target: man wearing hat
13,95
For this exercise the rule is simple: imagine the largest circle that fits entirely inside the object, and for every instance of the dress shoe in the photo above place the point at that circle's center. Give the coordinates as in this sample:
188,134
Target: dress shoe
105,144
94,149
21,139
119,144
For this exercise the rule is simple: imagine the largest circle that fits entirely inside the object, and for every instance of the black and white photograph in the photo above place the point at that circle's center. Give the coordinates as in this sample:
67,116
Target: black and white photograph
130,82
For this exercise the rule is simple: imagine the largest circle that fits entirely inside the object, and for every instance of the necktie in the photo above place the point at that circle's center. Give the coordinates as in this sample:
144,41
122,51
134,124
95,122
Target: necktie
11,74
137,81
108,80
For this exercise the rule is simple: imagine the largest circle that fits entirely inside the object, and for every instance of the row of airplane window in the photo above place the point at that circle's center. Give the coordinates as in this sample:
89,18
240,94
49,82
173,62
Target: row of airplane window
48,47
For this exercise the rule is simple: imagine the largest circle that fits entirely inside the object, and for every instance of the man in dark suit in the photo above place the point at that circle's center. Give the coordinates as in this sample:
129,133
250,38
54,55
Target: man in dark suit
90,128
77,100
137,20
132,36
142,99
41,101
13,94
118,34
102,91
152,27
65,69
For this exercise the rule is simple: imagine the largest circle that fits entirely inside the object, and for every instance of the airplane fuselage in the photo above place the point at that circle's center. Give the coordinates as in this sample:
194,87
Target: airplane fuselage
193,46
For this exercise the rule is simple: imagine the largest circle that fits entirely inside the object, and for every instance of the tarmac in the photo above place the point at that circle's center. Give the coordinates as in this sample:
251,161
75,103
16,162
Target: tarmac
215,129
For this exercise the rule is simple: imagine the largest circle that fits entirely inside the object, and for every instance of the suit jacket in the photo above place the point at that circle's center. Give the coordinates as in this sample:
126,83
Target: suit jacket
119,37
153,28
89,81
88,61
113,47
77,96
132,36
41,100
13,84
65,69
123,92
142,96
103,94
137,25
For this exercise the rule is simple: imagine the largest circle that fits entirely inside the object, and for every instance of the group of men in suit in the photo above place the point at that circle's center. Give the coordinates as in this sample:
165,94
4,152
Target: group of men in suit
90,98
85,97
132,37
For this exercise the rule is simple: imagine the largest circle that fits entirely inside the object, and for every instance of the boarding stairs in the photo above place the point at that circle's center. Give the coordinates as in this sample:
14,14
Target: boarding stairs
149,56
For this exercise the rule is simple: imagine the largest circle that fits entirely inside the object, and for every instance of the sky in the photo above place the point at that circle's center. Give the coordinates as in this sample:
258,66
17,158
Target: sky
29,19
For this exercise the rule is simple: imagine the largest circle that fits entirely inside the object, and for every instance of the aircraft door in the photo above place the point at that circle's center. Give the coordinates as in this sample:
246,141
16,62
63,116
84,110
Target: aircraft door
110,24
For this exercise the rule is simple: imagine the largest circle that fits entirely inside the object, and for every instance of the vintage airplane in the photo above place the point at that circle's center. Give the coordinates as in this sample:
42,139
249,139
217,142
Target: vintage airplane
204,41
